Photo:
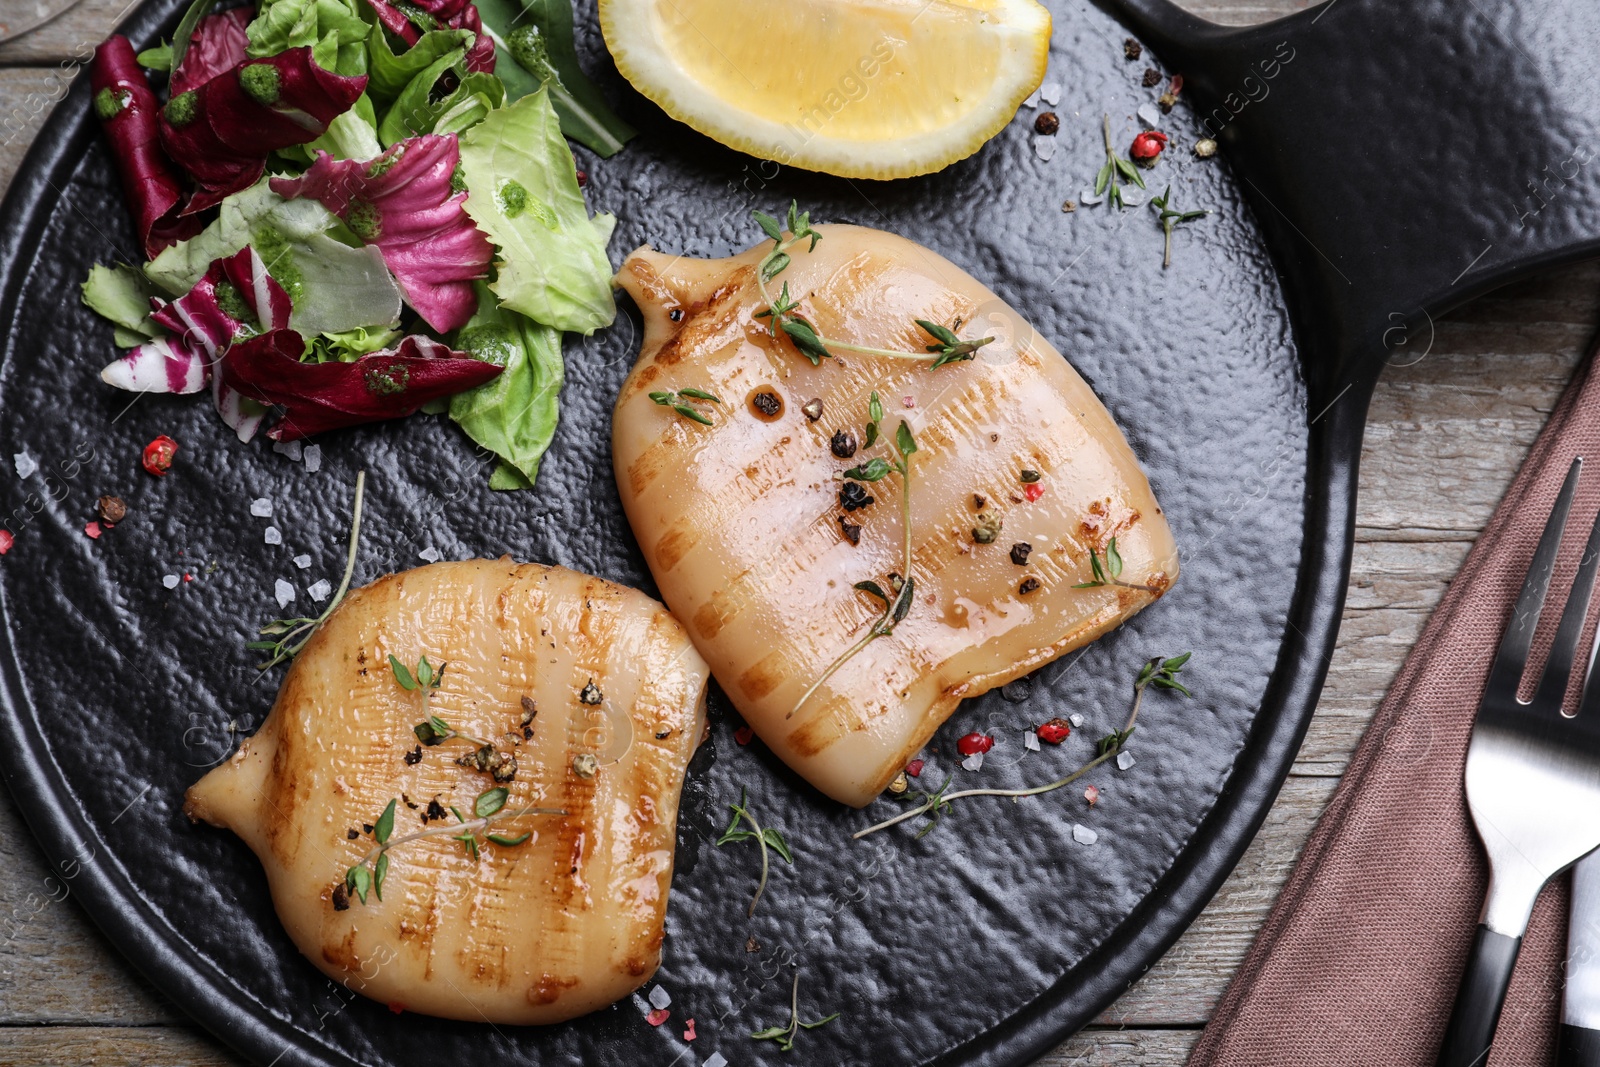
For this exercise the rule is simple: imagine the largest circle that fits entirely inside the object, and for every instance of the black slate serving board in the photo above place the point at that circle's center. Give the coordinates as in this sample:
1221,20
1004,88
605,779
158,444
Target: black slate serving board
1239,375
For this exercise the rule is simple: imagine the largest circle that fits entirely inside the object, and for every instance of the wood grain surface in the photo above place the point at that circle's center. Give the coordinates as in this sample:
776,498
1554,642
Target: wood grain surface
1445,436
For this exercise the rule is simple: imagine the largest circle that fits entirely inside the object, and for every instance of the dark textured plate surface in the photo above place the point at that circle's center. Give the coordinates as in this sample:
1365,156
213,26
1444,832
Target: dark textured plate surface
982,943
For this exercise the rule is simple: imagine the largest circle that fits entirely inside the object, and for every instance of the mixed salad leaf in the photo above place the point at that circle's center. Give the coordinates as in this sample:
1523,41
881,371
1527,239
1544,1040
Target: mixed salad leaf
354,210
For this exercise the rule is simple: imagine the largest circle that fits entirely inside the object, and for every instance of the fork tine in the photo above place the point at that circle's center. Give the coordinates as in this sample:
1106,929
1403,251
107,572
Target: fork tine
1512,657
1558,668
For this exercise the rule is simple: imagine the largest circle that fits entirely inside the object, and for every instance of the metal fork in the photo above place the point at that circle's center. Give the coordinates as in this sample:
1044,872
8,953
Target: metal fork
1533,783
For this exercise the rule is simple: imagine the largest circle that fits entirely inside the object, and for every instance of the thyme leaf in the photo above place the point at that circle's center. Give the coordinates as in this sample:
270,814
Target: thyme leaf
876,469
785,1035
1109,572
682,401
1106,181
367,875
765,837
782,312
1159,672
1169,217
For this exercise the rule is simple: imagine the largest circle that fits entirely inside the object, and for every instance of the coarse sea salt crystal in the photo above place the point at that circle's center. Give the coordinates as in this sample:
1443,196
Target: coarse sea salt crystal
170,581
1030,741
1033,99
319,592
284,592
1044,148
1089,198
1125,760
272,536
1131,198
1150,115
716,1059
660,998
1083,835
288,448
313,455
973,762
261,508
430,554
1050,93
26,464
303,562
1075,720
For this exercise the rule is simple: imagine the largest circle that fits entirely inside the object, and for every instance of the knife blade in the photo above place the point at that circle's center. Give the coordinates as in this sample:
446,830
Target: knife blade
1579,1044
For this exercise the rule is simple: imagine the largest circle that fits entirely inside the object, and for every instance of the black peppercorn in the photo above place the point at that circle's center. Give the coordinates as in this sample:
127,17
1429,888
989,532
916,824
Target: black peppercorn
1028,585
591,693
1152,78
414,757
767,403
676,314
1019,553
341,898
852,532
1047,123
843,444
435,811
852,496
1132,49
352,834
112,509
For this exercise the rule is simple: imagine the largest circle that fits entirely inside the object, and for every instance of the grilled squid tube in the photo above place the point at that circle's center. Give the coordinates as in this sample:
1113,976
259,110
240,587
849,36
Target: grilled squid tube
1020,475
596,695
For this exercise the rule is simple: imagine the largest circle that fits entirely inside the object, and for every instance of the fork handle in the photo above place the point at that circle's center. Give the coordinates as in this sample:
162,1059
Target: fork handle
1478,1002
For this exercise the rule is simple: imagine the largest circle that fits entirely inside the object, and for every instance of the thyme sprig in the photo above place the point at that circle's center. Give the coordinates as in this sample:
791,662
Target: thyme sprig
1170,217
1110,572
681,402
766,837
783,315
902,587
292,634
1106,181
369,872
785,1035
1160,672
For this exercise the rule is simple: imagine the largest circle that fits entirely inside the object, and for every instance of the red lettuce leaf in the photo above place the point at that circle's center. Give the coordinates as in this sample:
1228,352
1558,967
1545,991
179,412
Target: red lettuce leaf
129,113
402,202
235,299
328,396
218,44
224,130
447,15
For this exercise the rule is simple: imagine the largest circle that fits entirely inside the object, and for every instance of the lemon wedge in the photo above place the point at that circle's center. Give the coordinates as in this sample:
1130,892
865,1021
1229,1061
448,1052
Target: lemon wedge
859,88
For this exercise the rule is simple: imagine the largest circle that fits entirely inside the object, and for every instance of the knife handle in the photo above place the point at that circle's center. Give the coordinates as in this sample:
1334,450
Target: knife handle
1478,1002
1580,1047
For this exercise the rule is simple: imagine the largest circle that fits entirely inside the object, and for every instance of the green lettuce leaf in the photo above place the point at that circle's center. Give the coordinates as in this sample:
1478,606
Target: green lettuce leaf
334,286
427,105
514,415
284,24
522,188
122,294
351,135
534,46
389,74
347,346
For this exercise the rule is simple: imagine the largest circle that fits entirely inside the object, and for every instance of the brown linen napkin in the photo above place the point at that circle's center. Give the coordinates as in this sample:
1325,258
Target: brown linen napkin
1359,960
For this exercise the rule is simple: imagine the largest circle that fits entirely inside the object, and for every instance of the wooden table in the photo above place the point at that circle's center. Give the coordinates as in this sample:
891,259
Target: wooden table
1445,436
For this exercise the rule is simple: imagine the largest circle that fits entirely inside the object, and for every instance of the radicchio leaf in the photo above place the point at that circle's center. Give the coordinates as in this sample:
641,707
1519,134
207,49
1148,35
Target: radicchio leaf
236,298
403,204
217,45
439,15
128,112
224,130
327,396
